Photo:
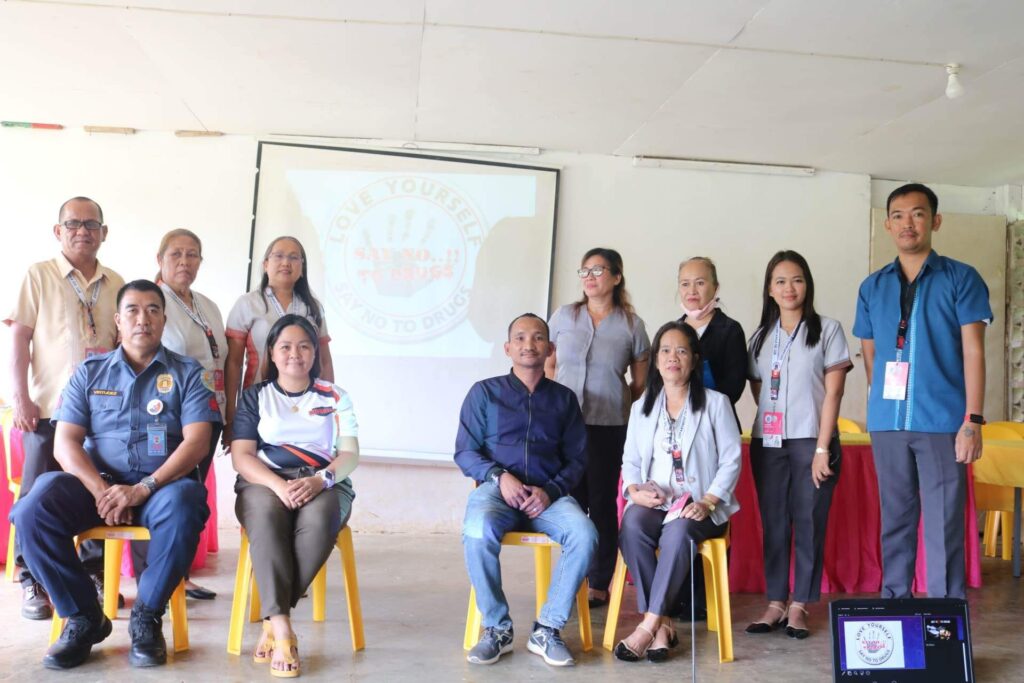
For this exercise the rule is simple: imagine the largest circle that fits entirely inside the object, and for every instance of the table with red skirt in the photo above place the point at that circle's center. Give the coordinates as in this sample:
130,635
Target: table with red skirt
208,540
853,551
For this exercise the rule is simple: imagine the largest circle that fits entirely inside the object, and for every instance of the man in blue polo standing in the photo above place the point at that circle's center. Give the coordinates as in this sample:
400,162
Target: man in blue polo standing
922,322
521,437
131,427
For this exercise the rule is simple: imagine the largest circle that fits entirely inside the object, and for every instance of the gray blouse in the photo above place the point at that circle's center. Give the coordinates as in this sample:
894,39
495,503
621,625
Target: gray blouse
802,384
593,363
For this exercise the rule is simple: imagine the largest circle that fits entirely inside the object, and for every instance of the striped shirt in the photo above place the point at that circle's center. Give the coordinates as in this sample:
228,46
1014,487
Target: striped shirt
295,430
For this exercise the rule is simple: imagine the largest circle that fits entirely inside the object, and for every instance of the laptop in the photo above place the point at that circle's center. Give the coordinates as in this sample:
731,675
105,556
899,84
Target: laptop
920,640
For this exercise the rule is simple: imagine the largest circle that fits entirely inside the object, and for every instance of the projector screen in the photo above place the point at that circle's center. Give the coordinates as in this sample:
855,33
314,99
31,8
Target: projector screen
420,262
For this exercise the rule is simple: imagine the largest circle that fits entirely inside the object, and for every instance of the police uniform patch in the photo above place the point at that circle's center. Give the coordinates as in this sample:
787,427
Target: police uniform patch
105,392
164,383
208,381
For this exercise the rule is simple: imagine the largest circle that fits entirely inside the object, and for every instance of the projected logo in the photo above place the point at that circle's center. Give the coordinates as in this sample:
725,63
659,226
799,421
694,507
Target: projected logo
400,255
874,644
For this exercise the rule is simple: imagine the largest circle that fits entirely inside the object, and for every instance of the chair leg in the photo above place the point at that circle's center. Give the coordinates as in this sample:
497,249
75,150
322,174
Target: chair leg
1006,523
355,607
618,586
320,594
473,619
56,626
243,578
991,529
583,614
542,569
709,590
714,550
179,618
113,549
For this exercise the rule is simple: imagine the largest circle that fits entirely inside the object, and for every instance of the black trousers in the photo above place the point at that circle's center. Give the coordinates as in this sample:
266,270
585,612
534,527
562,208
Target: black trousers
793,511
598,494
39,459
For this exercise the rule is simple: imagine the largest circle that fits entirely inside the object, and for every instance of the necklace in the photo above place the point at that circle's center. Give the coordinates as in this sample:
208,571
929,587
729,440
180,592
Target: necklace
294,401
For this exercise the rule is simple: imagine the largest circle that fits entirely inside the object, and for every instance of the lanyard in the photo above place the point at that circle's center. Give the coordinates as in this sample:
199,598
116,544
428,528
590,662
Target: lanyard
777,358
273,300
87,305
198,318
908,292
674,428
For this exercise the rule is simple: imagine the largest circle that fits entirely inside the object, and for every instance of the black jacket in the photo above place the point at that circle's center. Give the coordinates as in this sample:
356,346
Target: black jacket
724,348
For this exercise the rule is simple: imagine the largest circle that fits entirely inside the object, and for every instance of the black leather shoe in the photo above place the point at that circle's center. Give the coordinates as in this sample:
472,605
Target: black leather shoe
146,630
97,580
35,603
200,593
76,640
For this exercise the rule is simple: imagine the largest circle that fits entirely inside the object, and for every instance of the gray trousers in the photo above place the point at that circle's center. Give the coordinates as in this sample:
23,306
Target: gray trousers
660,578
288,547
793,512
918,469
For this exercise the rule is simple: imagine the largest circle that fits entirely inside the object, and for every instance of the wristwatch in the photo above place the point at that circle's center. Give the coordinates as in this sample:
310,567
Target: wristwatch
149,482
327,476
976,419
709,506
495,478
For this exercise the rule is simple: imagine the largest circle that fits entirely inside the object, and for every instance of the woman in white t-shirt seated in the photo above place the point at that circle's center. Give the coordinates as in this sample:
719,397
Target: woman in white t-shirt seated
294,445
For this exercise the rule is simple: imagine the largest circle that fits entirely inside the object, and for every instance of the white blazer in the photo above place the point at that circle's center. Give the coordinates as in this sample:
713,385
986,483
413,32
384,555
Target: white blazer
710,446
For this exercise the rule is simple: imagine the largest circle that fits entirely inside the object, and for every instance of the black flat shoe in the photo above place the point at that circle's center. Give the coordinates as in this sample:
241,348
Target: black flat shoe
200,593
762,627
798,633
626,654
660,654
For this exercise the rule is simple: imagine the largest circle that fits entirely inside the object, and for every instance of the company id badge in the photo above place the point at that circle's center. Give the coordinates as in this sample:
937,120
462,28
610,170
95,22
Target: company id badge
771,430
896,375
156,439
91,351
218,380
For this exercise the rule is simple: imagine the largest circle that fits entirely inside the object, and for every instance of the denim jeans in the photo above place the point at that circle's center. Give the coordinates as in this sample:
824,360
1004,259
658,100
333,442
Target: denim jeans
488,518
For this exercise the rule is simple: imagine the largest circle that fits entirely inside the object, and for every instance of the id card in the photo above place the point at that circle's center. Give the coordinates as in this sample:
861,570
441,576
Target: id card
91,351
156,440
218,380
771,430
896,375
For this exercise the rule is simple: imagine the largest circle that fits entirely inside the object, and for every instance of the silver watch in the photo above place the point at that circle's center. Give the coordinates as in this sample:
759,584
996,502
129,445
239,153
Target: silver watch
327,476
149,482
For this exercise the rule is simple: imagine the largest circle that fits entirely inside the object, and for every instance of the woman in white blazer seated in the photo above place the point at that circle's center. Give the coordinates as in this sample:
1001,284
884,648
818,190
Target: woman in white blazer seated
679,469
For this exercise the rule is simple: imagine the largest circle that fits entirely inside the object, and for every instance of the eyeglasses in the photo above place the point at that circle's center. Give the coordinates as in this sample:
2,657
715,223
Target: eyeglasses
90,225
278,257
596,271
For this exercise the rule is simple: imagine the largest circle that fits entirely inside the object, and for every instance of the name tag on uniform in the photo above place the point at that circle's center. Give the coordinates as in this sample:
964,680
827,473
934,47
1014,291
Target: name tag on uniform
156,439
91,351
771,430
896,375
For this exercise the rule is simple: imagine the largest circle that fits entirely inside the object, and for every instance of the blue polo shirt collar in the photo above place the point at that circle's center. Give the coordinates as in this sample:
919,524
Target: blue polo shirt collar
933,262
160,357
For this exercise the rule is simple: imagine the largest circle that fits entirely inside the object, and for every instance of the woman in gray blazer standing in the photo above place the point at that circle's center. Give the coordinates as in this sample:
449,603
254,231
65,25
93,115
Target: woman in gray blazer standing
679,469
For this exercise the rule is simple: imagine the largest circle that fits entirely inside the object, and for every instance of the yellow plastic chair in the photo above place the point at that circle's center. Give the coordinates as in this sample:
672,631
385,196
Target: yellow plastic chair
113,538
997,501
13,485
716,584
245,586
848,426
542,545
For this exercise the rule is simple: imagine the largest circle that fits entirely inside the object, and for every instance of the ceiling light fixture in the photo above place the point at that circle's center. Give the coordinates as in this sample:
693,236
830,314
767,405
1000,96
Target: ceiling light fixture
728,166
954,88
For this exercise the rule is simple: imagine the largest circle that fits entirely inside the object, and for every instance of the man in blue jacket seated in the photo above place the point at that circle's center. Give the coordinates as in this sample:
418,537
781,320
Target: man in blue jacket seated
521,437
131,427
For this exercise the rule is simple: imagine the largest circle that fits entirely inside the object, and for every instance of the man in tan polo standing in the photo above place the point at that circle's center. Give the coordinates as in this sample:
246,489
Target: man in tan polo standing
64,313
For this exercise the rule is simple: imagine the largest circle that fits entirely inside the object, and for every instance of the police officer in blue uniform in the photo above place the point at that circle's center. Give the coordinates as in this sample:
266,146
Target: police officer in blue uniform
131,427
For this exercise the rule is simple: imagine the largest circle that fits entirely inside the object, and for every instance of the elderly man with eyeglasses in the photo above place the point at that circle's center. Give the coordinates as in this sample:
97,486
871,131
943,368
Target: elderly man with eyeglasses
64,313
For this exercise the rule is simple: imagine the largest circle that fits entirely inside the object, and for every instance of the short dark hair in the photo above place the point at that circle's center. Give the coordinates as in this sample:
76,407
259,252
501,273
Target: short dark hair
910,188
141,286
547,330
60,214
275,332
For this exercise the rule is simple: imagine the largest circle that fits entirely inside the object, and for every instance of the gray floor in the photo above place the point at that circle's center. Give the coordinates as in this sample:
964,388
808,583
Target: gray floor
414,592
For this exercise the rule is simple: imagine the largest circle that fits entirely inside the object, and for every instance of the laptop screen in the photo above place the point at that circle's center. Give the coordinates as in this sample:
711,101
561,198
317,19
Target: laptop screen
926,640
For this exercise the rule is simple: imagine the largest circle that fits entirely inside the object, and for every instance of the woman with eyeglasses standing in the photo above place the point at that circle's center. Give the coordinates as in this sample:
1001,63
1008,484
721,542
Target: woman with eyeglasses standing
597,339
283,289
798,365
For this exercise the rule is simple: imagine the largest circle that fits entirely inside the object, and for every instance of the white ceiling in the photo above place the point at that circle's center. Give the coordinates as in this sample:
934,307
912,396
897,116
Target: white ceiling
839,85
